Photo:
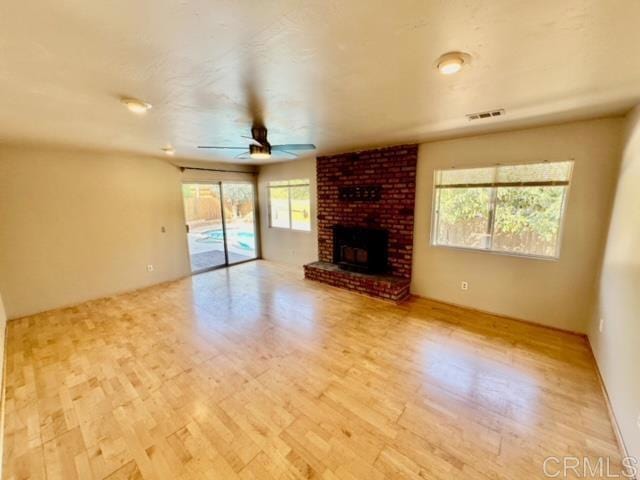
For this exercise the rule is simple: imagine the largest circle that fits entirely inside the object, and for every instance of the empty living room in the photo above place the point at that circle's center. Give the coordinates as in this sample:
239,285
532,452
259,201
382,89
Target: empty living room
333,240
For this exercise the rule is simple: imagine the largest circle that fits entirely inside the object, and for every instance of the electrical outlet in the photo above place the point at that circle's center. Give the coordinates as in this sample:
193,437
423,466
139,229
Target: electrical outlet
163,229
601,327
464,286
149,268
638,420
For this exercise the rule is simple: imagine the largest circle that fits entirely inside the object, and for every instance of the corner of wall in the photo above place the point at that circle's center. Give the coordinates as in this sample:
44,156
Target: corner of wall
616,296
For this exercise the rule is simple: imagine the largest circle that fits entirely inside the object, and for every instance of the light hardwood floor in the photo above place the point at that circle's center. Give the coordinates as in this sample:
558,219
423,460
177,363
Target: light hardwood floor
253,372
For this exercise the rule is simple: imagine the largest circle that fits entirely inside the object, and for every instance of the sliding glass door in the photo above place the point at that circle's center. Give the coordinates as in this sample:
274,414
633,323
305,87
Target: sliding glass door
203,213
220,223
239,219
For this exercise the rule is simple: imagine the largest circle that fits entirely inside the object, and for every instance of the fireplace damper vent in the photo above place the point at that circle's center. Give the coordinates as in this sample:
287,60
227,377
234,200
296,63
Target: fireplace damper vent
483,115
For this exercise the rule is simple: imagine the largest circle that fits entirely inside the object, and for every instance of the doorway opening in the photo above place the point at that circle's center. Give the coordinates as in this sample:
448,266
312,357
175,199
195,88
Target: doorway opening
221,224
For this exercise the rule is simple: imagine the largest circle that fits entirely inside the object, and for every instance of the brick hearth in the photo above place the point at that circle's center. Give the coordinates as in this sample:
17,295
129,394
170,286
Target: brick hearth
383,286
393,171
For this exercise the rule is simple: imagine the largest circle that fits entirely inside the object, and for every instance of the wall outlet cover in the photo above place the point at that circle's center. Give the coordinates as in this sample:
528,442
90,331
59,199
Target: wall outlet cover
601,326
464,286
149,268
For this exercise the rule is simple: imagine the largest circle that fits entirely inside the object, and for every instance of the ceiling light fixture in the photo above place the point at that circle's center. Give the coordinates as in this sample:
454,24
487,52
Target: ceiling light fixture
135,105
452,62
260,152
169,150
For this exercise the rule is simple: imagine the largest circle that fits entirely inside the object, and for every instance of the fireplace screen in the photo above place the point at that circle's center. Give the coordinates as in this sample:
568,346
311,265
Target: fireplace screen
355,255
360,249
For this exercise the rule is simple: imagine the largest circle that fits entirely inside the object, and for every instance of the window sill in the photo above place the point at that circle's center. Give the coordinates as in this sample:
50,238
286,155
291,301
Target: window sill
285,229
496,252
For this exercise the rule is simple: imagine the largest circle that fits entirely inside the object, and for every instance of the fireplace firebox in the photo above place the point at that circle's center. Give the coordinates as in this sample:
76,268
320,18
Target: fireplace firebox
360,249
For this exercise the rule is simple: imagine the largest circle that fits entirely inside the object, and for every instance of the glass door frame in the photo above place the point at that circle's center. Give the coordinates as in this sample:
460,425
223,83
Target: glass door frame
256,232
220,184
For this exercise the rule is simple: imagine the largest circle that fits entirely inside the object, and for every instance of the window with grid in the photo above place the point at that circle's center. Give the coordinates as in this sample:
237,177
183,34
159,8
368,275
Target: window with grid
290,204
512,209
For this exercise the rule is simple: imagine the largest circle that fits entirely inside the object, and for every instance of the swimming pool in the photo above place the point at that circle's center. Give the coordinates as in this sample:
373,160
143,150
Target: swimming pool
242,239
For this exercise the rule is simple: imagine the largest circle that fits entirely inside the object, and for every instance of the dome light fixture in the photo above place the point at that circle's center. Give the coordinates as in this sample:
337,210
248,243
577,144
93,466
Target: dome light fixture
452,62
136,106
169,150
260,152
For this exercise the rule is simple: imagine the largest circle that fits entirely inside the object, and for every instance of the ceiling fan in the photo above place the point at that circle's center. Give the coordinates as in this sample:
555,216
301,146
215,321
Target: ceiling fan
261,148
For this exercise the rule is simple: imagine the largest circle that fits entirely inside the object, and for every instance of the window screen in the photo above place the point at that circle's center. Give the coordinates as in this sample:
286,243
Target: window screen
515,209
290,204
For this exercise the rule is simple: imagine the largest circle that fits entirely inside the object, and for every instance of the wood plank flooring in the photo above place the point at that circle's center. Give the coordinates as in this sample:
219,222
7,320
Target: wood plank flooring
254,373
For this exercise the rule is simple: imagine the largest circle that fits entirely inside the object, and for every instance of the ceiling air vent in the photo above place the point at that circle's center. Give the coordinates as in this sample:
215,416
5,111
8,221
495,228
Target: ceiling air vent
488,114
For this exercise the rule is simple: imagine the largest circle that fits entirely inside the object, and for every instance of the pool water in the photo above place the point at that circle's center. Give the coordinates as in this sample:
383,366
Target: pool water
238,238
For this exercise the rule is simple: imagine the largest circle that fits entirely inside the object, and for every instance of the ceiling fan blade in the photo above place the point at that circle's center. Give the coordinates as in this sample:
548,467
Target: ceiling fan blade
248,137
222,148
295,155
294,146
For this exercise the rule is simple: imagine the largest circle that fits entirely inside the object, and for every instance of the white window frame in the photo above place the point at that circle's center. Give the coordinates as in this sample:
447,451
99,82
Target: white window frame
492,206
288,186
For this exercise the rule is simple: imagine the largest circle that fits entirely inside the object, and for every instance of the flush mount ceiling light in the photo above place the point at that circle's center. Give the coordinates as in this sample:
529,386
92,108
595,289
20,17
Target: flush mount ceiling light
169,150
260,152
452,62
135,105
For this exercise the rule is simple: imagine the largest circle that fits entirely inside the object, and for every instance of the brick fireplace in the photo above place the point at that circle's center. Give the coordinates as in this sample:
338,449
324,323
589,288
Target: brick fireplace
365,221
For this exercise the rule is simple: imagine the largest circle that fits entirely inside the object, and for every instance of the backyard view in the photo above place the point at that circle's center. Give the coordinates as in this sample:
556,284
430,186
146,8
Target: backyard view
204,206
289,204
522,219
527,219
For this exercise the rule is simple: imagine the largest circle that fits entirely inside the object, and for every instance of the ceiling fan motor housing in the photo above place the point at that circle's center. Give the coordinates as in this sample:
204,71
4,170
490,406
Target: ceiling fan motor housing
260,149
259,134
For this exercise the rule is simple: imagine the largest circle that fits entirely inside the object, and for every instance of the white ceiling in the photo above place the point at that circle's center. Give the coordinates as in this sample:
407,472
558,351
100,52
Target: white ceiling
342,74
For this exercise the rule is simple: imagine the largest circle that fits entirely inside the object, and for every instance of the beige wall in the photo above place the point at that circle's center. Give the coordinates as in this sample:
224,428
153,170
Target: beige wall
556,293
79,225
3,326
281,245
616,348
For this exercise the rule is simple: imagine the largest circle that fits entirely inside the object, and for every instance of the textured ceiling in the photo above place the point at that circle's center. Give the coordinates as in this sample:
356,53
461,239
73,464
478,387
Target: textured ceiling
340,74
